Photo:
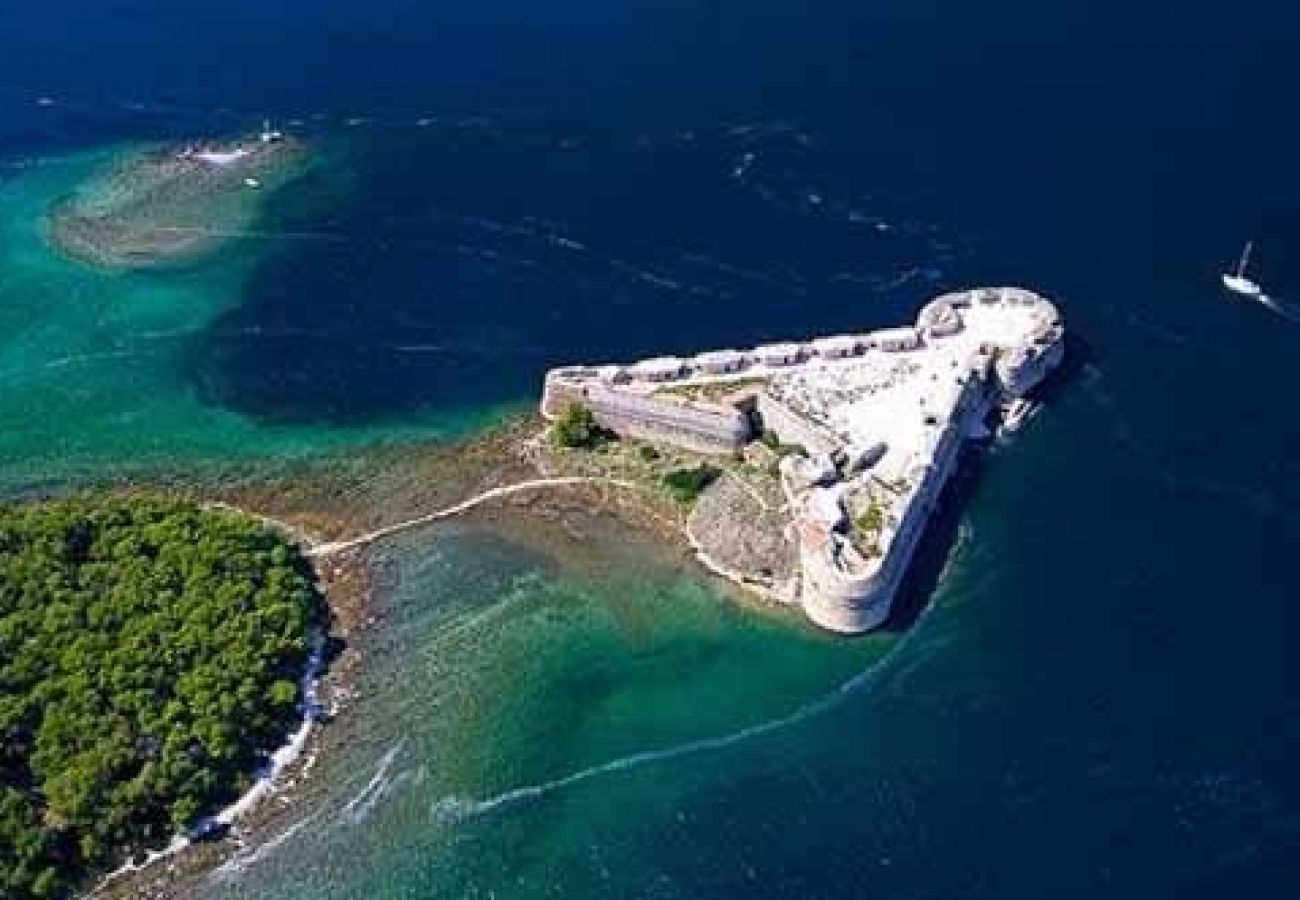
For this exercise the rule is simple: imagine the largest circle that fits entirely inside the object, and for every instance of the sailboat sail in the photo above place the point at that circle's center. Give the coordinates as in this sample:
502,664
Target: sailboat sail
1245,259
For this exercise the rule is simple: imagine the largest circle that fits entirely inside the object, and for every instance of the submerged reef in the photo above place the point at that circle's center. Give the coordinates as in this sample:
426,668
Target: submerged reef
165,205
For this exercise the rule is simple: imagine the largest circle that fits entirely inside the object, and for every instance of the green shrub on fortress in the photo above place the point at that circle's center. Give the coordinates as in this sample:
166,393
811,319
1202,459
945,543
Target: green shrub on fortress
774,443
687,484
148,650
576,429
871,520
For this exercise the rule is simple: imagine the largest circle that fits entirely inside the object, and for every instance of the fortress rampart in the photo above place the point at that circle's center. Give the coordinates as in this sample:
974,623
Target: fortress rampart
881,417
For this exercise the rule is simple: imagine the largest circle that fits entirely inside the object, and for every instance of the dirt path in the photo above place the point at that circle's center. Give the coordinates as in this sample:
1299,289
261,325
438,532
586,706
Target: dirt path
333,547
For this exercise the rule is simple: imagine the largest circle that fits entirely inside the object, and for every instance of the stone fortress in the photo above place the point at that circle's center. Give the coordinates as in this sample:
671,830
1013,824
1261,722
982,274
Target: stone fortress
869,427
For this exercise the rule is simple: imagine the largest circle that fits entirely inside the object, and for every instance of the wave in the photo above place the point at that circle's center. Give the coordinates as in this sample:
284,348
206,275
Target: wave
567,243
88,358
901,279
358,809
460,626
243,860
1160,331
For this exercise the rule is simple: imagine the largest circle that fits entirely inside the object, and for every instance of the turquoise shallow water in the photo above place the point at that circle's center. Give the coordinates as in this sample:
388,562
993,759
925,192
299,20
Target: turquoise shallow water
550,703
94,362
1103,698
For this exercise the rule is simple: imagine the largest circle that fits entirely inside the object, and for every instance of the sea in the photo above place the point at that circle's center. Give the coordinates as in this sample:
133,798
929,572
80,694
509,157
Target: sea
1100,695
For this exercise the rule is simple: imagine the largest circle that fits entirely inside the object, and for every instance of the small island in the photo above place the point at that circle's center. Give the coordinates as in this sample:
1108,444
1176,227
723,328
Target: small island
151,655
168,205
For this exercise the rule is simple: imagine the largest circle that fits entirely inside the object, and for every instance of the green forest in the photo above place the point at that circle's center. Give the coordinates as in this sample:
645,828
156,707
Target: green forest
150,649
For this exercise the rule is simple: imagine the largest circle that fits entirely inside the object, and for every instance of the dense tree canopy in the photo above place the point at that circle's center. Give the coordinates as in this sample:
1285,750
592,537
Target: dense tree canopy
149,649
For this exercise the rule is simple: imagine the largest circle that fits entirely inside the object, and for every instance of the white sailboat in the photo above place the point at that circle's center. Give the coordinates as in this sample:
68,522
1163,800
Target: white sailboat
1237,282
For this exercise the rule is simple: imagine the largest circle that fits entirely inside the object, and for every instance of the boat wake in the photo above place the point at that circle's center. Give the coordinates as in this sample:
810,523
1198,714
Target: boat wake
1288,311
454,810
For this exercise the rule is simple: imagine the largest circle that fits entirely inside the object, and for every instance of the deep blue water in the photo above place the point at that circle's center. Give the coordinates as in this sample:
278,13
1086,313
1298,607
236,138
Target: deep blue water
1114,706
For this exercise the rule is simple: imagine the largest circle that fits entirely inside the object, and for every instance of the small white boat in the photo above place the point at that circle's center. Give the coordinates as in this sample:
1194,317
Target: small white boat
1237,282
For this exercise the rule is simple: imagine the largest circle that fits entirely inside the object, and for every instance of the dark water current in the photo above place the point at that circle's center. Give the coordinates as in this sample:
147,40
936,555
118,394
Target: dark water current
1103,697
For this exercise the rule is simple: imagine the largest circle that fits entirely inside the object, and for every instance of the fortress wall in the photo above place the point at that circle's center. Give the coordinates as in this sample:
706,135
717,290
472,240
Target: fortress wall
839,602
940,317
558,393
1022,371
792,428
719,441
852,603
712,429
